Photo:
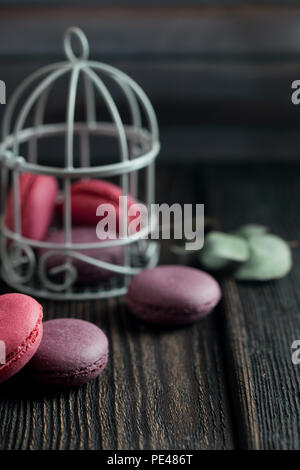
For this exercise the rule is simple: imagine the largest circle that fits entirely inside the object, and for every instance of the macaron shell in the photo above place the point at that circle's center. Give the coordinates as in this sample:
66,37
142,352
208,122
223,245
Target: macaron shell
88,194
21,330
172,294
25,181
72,352
84,207
86,273
94,187
37,198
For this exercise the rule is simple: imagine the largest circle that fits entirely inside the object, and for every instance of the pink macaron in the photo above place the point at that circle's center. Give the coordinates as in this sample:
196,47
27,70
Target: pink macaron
172,295
21,331
37,203
88,194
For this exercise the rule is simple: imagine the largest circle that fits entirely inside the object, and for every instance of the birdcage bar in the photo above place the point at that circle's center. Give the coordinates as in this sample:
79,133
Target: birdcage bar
90,120
38,119
112,71
20,89
31,100
123,151
102,170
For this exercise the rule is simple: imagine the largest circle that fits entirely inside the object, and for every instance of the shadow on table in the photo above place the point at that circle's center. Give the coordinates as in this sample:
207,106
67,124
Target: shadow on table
22,387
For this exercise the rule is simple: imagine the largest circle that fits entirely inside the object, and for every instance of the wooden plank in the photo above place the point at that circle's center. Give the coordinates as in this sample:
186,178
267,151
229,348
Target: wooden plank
262,319
232,144
143,3
239,368
211,62
205,144
205,111
163,388
197,81
239,29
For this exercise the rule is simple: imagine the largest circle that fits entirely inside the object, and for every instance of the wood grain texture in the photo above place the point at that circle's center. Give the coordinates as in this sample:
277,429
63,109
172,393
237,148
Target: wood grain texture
262,319
157,29
163,388
226,382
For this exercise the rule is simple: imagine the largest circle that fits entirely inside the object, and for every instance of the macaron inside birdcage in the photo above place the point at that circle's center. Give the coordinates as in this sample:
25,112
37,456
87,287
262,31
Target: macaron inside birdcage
86,272
88,195
35,203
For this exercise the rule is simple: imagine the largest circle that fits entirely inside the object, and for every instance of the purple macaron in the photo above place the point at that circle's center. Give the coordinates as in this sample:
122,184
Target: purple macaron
172,295
72,352
86,273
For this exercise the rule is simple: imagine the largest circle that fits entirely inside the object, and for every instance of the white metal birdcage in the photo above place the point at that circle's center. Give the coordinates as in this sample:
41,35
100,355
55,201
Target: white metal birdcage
138,145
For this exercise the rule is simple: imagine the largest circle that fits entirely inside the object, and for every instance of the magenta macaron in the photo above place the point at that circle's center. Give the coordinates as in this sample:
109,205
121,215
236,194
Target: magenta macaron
37,203
88,194
172,295
71,353
21,331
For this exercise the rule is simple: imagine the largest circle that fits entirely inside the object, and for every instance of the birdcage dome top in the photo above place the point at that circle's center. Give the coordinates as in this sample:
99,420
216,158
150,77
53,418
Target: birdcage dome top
138,139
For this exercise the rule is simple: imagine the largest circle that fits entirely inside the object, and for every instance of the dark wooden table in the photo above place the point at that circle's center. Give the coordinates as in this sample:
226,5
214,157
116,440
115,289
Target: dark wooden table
225,382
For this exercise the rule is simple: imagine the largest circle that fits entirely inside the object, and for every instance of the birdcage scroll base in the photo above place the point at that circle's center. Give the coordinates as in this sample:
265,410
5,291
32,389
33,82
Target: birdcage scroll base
115,287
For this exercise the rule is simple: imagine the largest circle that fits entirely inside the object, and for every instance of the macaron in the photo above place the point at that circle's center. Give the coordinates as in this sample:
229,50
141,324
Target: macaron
71,353
86,273
88,194
172,295
37,203
21,331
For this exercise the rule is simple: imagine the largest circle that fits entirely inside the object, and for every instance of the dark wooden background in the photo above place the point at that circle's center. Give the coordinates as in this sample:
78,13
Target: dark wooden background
225,382
219,75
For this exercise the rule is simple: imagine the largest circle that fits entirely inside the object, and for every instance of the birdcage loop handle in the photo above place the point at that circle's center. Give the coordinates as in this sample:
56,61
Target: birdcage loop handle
77,33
